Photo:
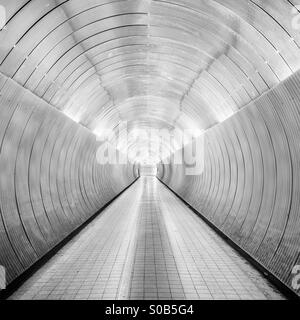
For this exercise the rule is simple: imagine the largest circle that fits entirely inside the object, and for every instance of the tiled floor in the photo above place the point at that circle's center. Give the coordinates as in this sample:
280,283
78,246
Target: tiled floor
147,245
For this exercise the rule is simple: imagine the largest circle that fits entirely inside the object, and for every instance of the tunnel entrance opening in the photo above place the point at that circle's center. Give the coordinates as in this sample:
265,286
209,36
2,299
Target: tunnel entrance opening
148,170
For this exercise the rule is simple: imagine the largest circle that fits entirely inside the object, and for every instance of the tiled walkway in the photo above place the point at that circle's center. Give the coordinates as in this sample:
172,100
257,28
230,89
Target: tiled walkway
147,245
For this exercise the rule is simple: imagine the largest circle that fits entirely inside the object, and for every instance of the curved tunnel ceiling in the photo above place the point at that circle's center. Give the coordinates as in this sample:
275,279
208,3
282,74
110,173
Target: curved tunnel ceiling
165,64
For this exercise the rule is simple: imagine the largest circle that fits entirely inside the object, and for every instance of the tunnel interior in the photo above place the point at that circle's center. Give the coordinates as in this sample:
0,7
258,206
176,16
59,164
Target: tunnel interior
75,74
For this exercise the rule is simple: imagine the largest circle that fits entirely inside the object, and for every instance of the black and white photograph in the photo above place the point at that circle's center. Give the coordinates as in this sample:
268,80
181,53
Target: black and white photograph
149,154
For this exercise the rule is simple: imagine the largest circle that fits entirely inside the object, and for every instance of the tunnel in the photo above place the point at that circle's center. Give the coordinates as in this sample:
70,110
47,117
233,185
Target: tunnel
150,149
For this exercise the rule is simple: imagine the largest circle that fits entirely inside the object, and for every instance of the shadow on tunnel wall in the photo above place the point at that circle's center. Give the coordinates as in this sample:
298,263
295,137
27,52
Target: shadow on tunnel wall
50,181
250,186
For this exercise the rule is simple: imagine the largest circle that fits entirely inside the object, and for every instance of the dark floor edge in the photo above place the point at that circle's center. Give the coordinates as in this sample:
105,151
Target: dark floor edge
21,279
282,287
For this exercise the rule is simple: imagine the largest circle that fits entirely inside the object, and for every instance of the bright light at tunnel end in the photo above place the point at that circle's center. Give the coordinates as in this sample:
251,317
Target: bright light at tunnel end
151,146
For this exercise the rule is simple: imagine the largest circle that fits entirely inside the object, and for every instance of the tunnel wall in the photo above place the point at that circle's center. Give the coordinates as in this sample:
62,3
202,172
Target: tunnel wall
250,185
50,181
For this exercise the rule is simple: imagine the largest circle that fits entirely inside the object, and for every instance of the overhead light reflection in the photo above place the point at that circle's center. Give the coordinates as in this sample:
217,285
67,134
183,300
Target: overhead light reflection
75,118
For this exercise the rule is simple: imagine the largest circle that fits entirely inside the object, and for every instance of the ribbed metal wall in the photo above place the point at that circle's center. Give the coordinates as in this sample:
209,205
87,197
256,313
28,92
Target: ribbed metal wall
250,186
50,181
